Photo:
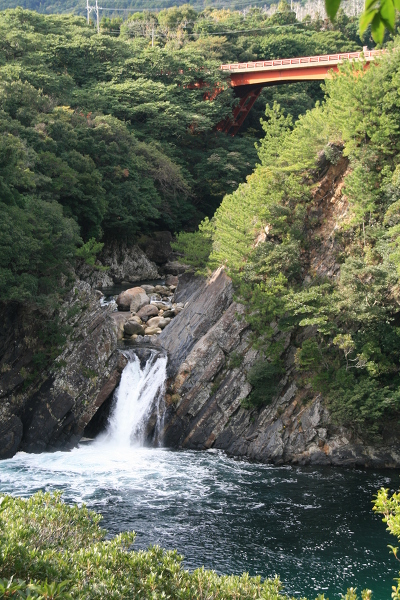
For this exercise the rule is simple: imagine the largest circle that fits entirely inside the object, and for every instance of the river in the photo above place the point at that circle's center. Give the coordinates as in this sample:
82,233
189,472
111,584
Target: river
313,526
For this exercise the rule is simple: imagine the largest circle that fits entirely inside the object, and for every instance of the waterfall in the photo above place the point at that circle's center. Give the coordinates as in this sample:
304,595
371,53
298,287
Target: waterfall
139,394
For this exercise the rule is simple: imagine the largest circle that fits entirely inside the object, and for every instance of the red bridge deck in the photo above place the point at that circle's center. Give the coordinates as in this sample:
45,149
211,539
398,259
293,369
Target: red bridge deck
250,78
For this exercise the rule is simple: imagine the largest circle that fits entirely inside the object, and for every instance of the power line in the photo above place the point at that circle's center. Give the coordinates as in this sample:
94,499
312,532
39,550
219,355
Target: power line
201,7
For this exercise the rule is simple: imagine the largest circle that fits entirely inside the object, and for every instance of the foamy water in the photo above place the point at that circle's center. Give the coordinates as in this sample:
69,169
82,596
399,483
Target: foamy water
313,526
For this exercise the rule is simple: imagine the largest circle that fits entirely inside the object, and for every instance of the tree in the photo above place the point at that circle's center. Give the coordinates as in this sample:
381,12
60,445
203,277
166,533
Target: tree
378,14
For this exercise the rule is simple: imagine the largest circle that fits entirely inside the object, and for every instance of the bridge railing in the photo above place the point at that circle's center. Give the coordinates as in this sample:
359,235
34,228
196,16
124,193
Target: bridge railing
304,60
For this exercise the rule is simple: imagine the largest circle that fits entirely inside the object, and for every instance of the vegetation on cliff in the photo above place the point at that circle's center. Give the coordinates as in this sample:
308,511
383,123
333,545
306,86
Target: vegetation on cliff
105,136
312,242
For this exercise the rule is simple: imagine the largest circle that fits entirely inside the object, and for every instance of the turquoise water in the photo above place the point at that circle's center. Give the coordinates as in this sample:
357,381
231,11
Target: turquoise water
313,526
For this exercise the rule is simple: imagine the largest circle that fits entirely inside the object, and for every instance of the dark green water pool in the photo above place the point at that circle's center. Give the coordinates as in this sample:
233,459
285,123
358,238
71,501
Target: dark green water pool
312,526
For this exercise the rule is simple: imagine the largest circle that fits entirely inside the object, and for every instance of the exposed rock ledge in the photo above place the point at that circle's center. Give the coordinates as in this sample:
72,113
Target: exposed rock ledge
122,263
51,411
204,394
204,391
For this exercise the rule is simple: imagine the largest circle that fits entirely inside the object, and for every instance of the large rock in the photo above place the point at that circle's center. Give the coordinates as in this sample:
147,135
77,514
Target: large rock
133,328
132,299
120,318
10,436
122,262
207,303
210,353
160,322
147,311
47,409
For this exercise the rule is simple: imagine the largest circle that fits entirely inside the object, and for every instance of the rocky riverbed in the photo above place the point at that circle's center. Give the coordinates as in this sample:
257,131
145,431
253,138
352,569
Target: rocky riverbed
143,312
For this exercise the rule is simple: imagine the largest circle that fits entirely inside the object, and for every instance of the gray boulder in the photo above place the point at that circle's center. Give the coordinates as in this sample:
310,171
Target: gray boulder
133,328
148,311
132,299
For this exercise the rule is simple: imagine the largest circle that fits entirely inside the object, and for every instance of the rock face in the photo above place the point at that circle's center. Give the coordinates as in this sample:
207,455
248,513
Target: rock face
206,388
157,247
122,262
42,410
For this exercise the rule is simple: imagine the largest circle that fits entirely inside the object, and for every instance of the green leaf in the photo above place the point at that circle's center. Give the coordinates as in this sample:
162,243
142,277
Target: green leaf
366,19
388,14
332,6
378,28
396,4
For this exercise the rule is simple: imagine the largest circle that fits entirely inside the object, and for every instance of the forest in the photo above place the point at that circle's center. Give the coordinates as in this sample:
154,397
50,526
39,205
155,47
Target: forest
106,136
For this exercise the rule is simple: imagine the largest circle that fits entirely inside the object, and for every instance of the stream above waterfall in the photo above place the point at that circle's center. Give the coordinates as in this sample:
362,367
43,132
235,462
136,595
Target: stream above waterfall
313,526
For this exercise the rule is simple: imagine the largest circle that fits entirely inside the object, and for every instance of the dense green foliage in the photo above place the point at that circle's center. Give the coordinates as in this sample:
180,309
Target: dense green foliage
47,544
345,324
389,507
105,136
51,551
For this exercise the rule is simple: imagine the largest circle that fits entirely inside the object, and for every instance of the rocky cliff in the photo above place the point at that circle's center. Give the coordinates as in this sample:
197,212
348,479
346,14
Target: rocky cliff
211,352
207,386
47,407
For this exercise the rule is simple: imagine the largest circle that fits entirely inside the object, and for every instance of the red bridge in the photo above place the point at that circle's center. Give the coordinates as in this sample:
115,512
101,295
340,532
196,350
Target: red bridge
250,78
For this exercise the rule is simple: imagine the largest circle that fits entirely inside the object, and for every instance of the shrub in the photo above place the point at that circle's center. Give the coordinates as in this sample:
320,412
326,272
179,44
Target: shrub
264,376
54,551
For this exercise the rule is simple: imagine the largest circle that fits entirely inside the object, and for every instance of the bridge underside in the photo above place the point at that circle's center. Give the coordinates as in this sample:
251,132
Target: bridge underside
248,87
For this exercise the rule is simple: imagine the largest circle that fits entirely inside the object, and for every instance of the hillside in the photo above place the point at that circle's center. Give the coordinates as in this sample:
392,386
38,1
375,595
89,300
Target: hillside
311,241
107,137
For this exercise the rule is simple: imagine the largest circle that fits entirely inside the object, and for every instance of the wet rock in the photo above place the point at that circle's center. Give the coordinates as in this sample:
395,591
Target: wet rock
160,305
170,313
133,328
147,311
10,436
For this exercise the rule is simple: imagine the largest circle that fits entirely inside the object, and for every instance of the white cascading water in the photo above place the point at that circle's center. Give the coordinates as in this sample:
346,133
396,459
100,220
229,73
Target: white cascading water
139,393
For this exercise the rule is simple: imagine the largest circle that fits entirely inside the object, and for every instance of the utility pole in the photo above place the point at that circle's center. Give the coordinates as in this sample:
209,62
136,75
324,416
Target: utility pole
152,36
88,10
97,17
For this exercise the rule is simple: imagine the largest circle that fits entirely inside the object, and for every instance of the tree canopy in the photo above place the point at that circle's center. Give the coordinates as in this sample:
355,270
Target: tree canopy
113,134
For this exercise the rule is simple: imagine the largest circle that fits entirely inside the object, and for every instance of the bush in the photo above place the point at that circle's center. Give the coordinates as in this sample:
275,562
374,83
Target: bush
51,550
195,247
264,376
